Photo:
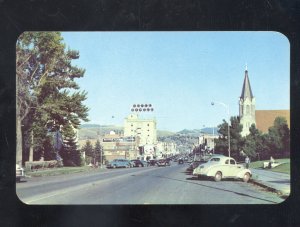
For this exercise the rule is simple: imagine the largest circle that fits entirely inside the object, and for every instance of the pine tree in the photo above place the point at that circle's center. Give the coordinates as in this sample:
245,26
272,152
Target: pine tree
89,151
45,87
98,152
70,153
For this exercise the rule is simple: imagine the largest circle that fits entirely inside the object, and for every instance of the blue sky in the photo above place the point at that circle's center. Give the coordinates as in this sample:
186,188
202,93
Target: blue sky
180,74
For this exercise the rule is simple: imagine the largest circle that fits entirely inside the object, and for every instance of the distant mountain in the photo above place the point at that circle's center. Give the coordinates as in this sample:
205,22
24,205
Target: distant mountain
164,133
198,131
89,126
91,131
213,130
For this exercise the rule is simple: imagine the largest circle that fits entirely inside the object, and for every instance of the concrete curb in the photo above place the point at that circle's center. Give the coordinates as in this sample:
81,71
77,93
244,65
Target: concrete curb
281,193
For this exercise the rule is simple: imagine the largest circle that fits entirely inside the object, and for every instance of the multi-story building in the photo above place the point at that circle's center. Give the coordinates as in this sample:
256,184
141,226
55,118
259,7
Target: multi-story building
143,130
117,146
208,140
165,149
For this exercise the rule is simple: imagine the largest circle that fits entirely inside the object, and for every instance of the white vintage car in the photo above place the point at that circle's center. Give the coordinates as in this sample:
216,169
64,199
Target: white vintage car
219,166
19,173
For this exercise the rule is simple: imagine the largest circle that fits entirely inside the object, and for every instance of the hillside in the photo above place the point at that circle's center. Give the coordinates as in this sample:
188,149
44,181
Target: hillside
91,131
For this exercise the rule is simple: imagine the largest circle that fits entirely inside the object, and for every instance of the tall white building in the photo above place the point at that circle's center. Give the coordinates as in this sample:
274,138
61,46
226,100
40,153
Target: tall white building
246,106
144,130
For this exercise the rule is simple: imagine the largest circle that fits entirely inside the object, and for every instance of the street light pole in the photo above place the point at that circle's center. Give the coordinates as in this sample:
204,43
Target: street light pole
227,108
213,140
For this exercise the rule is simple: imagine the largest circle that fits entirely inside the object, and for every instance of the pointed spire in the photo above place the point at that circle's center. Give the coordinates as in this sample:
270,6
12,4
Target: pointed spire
246,67
246,92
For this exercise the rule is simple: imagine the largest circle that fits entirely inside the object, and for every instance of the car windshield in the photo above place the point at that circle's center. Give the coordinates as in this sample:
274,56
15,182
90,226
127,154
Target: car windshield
215,159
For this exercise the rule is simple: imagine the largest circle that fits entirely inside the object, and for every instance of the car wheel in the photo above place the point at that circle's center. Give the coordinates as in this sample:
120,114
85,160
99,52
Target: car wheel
246,177
218,176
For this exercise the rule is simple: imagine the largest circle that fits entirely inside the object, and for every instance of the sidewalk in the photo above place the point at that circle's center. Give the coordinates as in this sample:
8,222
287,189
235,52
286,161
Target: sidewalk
279,182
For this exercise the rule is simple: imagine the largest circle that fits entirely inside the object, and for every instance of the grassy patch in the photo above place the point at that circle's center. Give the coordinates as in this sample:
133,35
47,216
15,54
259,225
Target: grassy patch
257,164
59,171
283,168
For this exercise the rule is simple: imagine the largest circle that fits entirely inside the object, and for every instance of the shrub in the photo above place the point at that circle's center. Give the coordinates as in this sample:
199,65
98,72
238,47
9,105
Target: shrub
40,165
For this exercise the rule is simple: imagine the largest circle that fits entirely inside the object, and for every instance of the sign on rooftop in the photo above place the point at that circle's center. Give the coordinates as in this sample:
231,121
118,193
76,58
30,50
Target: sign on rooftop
142,108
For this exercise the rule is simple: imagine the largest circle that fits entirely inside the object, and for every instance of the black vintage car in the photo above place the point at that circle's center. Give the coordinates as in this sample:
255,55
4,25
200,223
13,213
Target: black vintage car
195,164
152,162
180,161
137,163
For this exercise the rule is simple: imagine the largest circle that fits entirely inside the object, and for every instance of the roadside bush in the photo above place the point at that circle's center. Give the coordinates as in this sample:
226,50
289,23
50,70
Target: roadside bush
35,165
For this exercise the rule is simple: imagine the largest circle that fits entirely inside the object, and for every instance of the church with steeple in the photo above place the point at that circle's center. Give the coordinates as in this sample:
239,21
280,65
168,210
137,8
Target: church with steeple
246,106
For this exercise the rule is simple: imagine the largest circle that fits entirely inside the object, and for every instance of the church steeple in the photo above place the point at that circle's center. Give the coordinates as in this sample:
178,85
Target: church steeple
246,91
246,106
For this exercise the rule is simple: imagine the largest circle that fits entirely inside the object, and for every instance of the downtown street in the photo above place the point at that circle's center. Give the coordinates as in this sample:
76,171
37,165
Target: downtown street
144,185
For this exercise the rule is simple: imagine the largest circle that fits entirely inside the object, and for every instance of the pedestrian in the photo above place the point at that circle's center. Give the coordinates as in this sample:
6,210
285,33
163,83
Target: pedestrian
271,162
247,161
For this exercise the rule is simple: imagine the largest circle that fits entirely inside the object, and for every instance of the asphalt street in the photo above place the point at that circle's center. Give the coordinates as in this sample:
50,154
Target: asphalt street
148,185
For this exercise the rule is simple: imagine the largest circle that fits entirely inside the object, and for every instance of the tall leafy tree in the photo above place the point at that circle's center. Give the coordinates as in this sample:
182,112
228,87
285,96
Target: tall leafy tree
255,145
236,141
45,86
279,137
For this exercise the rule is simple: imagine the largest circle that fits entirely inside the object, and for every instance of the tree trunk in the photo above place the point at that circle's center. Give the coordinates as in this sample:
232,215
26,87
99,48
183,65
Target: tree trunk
31,147
19,141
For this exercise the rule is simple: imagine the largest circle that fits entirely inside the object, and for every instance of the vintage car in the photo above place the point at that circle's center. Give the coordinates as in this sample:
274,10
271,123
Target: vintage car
180,161
194,165
219,167
138,163
152,162
119,163
163,162
19,173
145,163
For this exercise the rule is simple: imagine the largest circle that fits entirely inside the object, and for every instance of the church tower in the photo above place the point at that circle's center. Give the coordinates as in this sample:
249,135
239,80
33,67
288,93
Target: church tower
246,106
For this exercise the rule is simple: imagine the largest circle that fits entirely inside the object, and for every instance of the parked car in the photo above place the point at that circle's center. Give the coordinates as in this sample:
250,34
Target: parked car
163,162
194,165
152,162
138,163
19,173
219,167
145,163
180,161
119,163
